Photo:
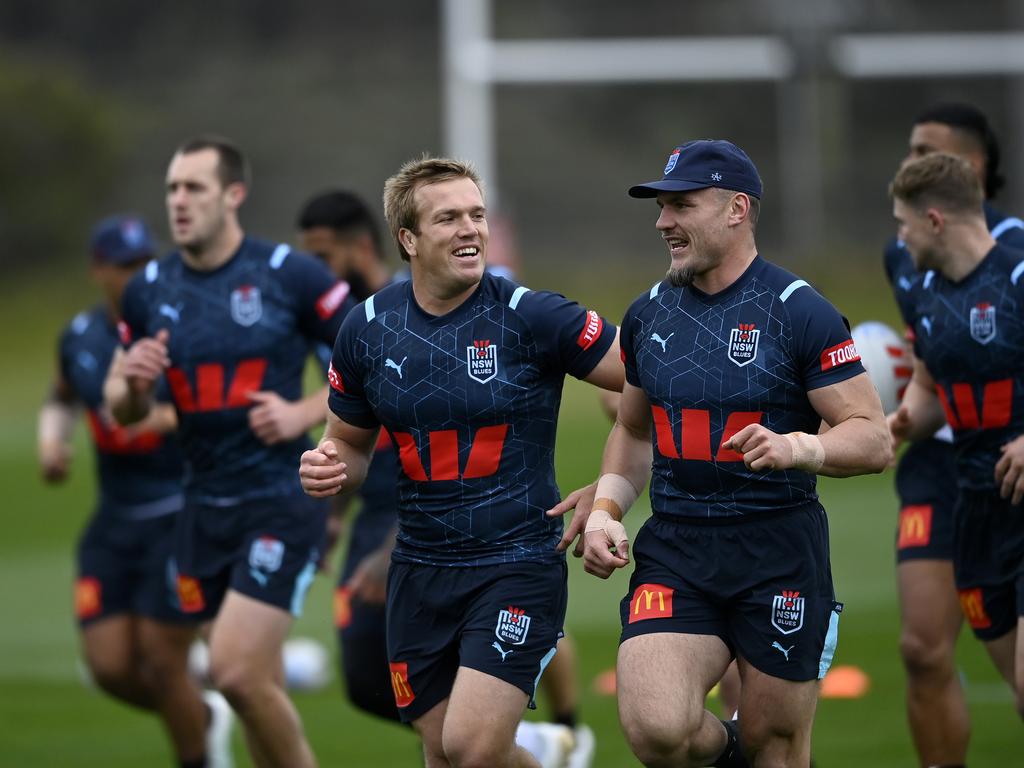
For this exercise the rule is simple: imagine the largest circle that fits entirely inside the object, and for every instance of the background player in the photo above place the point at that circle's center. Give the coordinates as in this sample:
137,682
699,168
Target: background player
131,634
926,476
736,362
968,334
464,369
229,317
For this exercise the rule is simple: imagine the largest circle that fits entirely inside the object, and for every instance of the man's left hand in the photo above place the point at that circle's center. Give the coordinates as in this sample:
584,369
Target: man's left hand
1010,471
581,500
274,419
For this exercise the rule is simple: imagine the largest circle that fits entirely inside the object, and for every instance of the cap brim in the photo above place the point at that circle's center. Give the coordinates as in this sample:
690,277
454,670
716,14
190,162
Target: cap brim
654,188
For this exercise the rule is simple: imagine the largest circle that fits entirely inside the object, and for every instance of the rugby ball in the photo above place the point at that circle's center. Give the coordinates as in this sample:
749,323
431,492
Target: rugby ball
306,664
887,359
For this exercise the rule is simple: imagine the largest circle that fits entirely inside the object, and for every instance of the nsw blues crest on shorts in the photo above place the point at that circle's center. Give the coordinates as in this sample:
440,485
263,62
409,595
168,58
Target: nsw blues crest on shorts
513,624
788,612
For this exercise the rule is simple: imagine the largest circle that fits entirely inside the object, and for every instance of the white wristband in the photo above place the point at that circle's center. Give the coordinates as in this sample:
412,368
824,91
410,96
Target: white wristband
617,489
808,452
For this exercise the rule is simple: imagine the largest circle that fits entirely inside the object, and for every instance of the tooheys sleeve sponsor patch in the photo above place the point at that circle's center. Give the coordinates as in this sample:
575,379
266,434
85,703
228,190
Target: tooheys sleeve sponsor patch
124,332
334,378
841,354
329,302
592,326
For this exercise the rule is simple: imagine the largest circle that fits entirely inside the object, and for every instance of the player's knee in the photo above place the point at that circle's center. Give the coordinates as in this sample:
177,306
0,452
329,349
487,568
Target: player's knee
474,749
922,656
113,673
237,681
658,743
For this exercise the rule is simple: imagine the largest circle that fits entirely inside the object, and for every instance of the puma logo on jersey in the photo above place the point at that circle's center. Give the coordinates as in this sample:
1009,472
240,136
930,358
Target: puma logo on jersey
927,323
389,363
496,646
663,342
174,313
784,651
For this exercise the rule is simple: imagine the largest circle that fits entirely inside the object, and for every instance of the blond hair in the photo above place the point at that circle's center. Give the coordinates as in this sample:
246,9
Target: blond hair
938,179
399,191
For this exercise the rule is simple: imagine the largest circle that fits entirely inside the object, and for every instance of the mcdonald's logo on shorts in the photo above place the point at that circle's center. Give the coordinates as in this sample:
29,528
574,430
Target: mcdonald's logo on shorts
88,597
190,594
650,601
400,684
915,526
973,605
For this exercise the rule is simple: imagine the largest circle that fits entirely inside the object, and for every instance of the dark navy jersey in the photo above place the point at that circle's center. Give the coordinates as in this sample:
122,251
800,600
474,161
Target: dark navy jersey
970,336
139,472
471,400
246,326
711,365
899,267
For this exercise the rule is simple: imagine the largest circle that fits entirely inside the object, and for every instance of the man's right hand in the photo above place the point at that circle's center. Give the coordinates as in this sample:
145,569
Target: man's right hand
321,471
145,362
899,426
606,544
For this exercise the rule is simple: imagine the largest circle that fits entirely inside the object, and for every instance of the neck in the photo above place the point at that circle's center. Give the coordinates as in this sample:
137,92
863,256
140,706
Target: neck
434,299
208,256
967,244
728,271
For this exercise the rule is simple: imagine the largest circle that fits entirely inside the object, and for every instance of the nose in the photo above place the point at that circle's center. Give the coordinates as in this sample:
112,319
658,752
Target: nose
664,222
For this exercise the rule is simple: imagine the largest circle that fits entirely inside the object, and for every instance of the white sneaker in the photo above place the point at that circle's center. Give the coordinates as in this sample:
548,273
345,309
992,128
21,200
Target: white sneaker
550,743
582,754
218,732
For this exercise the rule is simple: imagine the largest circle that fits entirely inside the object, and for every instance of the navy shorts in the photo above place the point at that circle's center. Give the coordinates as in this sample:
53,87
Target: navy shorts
122,569
503,620
266,549
926,484
361,626
763,585
988,562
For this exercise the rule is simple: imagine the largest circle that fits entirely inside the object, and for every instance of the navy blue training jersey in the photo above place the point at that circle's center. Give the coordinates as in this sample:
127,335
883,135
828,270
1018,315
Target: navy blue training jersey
899,267
711,365
970,336
246,326
139,472
471,400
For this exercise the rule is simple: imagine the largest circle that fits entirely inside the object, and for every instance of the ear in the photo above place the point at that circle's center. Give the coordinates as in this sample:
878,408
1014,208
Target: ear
936,219
408,240
739,208
236,194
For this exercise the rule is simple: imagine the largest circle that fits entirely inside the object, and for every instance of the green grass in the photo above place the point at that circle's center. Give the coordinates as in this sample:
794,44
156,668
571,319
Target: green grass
48,717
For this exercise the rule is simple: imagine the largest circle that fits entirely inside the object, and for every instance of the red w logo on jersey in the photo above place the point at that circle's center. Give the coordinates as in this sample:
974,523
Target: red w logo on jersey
209,392
484,454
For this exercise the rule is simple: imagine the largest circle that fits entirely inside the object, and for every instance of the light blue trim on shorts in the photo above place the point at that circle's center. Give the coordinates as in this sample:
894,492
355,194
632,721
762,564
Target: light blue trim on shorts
543,665
302,584
831,639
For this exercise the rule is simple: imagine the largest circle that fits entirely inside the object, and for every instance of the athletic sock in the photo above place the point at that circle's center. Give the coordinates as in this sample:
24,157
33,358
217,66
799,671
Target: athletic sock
568,720
732,755
200,763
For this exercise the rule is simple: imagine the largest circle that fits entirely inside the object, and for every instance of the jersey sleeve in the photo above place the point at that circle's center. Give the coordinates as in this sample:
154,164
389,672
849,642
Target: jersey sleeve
1012,235
345,375
824,350
132,325
322,300
626,345
572,338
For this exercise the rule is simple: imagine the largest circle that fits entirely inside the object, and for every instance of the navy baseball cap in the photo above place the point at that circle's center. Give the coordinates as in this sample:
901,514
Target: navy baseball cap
704,163
122,240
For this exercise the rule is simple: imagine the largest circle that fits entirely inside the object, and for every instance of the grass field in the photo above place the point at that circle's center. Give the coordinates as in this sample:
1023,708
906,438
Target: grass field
47,717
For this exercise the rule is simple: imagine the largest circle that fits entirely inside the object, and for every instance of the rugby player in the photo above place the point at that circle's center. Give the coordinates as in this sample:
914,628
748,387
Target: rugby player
930,612
732,363
464,371
229,320
968,335
132,635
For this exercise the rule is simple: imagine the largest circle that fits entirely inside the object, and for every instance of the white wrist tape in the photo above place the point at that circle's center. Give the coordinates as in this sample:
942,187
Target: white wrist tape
808,452
617,490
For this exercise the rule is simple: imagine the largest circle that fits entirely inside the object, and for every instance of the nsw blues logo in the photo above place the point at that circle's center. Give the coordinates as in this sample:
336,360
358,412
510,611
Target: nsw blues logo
246,305
265,556
983,323
513,624
672,160
788,612
482,360
743,344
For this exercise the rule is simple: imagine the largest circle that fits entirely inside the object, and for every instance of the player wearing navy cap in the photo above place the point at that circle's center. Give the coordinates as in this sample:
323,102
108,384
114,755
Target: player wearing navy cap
731,365
130,631
926,476
464,370
969,373
231,319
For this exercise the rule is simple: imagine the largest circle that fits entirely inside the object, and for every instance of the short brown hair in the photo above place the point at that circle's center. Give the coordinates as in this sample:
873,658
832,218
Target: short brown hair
399,191
938,179
232,165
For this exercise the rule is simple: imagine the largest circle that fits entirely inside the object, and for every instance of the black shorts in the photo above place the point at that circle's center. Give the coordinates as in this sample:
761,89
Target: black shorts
122,569
926,484
503,620
764,586
266,549
988,562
